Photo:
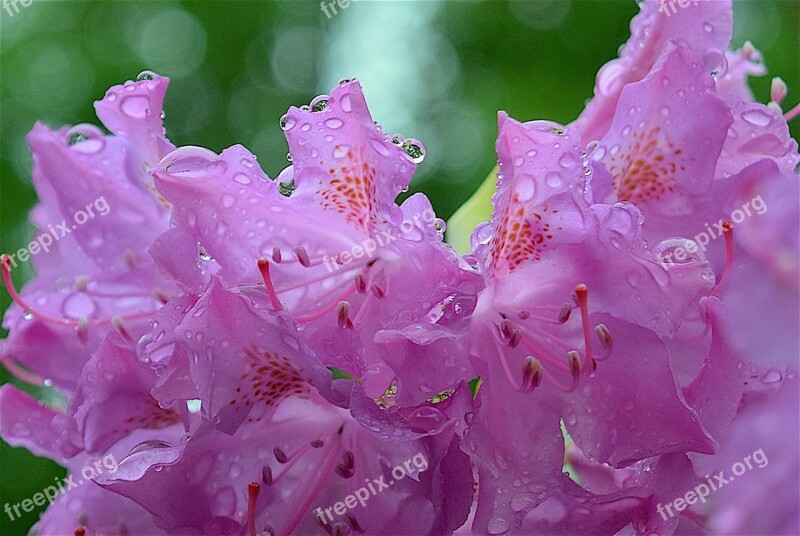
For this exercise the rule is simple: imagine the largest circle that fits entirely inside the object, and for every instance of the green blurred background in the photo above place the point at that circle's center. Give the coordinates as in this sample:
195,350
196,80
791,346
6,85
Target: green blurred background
436,71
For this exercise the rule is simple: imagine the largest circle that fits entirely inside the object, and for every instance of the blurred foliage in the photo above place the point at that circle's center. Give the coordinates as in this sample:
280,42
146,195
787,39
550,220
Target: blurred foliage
436,71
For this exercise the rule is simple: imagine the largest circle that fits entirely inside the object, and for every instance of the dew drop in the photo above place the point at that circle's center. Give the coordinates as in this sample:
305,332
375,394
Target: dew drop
345,103
567,161
241,178
554,180
319,104
228,200
150,445
757,117
136,106
147,75
497,525
379,147
287,123
772,376
334,123
76,137
526,188
286,188
415,150
598,154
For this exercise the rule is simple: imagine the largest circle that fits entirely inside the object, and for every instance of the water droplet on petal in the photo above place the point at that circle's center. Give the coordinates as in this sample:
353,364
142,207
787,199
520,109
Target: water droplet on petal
598,154
567,160
415,150
334,123
150,445
554,180
345,103
634,279
147,75
286,188
287,123
228,200
136,106
319,103
379,147
525,188
482,234
772,376
241,178
708,27
76,137
497,525
757,117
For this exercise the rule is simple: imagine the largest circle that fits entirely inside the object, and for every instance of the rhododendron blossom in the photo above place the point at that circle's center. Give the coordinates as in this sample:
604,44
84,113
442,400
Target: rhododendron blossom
259,352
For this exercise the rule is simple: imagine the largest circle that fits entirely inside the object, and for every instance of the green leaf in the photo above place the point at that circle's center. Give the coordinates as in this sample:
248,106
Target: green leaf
477,209
474,385
339,374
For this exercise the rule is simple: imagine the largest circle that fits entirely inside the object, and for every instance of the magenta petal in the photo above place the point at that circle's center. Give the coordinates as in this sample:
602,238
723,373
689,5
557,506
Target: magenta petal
632,408
572,510
134,111
647,148
673,476
716,391
114,399
343,158
294,457
706,27
90,176
26,423
512,440
427,359
259,361
98,511
223,202
758,133
742,64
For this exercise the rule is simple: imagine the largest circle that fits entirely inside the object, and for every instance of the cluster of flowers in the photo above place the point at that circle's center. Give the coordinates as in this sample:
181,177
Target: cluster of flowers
199,338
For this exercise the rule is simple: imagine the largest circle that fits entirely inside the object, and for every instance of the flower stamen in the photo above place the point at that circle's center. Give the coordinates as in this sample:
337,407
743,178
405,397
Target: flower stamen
726,273
263,267
252,494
